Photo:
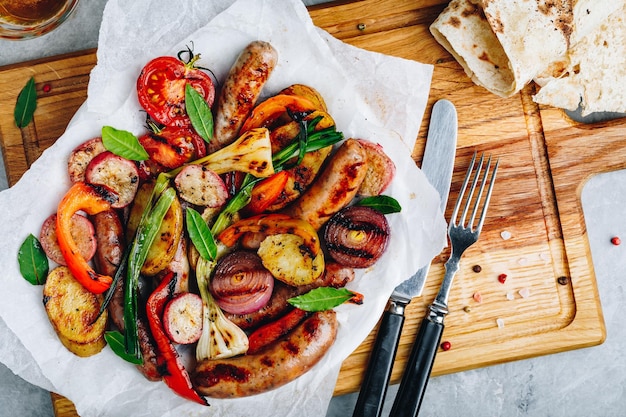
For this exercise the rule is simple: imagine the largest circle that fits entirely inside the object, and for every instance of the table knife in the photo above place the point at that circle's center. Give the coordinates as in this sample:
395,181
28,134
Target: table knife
437,165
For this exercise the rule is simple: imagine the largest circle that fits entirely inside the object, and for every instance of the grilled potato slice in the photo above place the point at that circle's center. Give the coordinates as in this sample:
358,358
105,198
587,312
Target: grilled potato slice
166,242
71,310
285,257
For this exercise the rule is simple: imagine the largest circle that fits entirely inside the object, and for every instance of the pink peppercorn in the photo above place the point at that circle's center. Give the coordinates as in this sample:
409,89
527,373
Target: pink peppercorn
446,345
616,240
47,88
502,278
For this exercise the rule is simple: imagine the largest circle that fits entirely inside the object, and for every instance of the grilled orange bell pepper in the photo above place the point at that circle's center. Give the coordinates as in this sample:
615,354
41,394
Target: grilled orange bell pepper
266,192
272,224
268,112
91,199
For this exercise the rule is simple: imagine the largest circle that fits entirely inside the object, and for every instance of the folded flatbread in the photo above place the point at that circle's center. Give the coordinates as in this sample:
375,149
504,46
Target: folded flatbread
594,73
504,44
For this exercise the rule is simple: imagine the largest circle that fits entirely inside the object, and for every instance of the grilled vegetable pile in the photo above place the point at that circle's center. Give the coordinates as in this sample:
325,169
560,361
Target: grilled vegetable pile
232,225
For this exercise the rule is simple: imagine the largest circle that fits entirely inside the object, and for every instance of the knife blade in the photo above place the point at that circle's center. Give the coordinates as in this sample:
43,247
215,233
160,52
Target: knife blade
437,165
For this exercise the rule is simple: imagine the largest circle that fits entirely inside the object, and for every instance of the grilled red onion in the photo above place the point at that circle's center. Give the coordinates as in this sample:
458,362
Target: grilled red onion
357,236
241,284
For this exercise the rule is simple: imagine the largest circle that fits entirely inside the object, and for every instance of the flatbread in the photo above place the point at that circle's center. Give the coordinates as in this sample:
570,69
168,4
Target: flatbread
594,72
503,44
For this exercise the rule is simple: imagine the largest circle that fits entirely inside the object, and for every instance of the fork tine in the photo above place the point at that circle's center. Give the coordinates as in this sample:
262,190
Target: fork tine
455,212
483,214
474,177
470,197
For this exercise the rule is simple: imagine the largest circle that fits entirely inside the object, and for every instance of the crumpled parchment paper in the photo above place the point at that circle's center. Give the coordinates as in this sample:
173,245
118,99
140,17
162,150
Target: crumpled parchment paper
370,96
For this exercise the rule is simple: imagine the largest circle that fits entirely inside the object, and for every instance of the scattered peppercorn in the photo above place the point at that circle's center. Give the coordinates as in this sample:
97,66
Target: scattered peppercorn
616,240
477,268
477,297
47,88
446,345
562,280
467,309
502,278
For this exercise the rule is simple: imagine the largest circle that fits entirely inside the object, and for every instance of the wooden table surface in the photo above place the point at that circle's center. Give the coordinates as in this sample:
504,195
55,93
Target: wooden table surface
545,159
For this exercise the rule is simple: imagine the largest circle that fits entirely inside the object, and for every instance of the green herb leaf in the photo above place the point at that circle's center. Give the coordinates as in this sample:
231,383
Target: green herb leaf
200,235
383,203
33,261
26,104
115,340
320,299
123,143
199,113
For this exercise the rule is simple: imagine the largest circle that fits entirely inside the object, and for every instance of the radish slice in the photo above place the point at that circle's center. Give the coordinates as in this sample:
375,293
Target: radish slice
182,318
117,173
81,156
201,186
82,232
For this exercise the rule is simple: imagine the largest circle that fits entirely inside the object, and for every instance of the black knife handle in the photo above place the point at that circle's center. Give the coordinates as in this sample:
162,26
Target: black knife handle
417,372
376,380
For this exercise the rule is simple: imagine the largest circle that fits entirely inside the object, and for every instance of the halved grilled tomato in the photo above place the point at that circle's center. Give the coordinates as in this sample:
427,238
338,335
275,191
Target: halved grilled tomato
161,88
171,146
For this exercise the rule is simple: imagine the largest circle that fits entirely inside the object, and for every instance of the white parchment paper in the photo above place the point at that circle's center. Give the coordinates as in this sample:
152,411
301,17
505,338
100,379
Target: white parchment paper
370,96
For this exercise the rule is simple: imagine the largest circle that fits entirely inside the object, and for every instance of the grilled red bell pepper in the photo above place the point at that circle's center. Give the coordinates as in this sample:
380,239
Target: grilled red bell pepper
176,376
91,199
271,332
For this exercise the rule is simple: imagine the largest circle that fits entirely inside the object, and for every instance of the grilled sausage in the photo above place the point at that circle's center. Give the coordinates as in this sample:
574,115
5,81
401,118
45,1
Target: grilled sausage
272,367
336,186
335,275
109,252
241,90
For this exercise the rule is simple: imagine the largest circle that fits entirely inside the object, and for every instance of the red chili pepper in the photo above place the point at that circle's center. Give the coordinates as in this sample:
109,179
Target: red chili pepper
273,331
266,192
91,199
176,376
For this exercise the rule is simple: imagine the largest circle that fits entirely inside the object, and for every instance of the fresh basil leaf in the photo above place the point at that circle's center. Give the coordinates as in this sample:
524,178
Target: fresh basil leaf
33,262
199,113
115,340
320,299
123,143
26,104
383,203
200,235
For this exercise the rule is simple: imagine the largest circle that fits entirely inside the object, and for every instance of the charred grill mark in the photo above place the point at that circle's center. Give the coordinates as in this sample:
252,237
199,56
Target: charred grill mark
222,372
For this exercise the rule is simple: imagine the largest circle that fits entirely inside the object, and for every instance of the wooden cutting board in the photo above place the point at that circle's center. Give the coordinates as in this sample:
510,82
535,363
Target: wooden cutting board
545,160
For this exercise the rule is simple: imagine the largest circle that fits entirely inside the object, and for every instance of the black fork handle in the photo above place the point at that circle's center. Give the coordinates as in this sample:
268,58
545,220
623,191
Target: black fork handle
417,372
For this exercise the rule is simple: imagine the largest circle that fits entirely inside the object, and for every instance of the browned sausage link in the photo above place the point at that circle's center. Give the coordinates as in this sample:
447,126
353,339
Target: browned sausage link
110,241
241,90
109,252
149,368
336,186
274,308
272,367
335,275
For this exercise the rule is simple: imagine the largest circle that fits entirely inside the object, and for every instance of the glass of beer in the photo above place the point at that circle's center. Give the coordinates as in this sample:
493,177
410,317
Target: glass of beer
24,19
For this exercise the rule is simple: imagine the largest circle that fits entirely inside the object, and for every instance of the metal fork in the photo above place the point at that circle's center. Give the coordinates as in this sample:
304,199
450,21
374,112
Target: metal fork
463,233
